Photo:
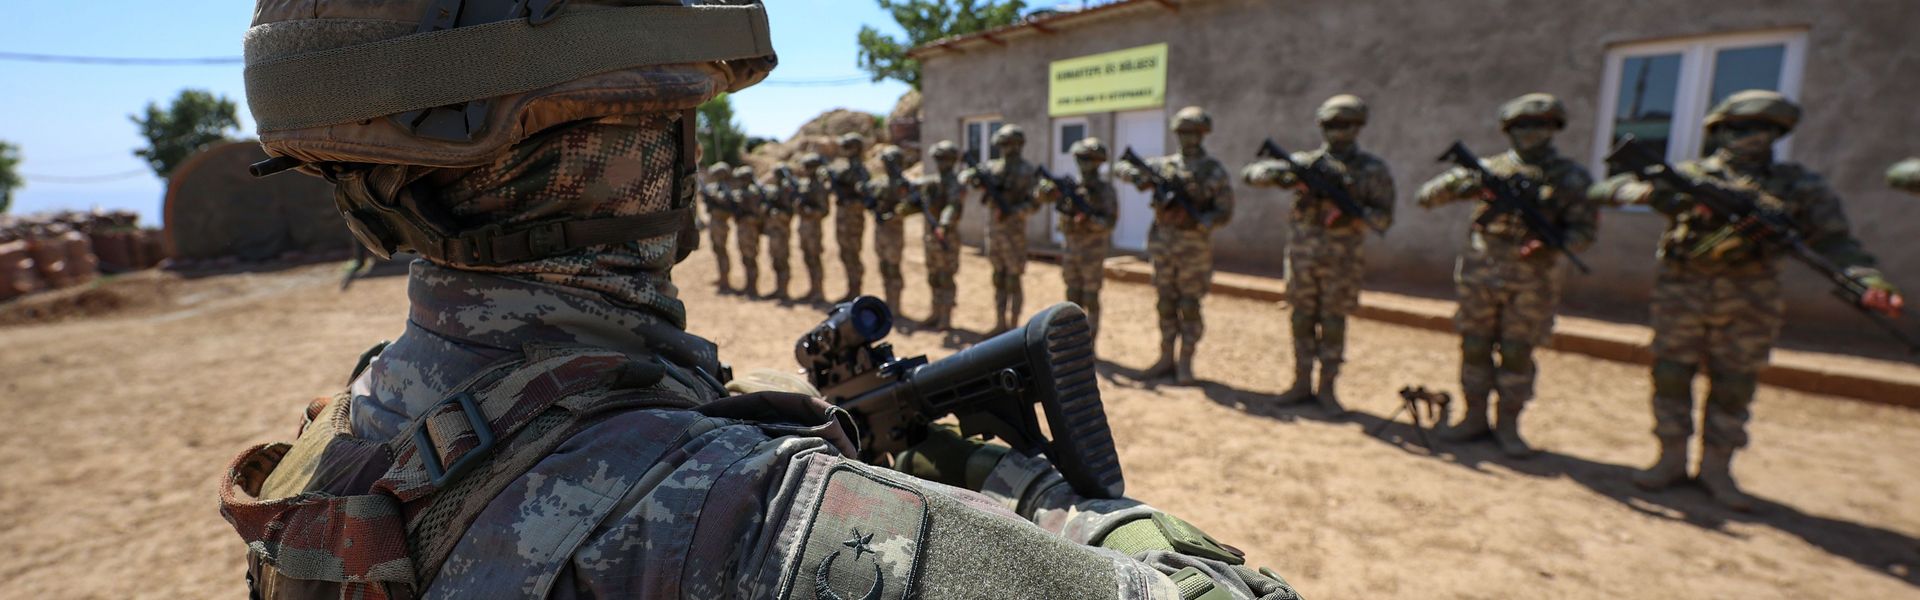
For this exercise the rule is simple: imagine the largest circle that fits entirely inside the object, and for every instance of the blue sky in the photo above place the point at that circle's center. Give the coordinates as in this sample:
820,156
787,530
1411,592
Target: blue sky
71,120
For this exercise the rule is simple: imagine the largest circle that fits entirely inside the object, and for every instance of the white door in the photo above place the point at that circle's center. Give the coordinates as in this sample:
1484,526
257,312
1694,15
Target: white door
1146,132
1066,132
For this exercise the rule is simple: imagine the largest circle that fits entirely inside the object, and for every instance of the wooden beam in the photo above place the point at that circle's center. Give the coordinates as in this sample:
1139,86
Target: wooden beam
995,40
1168,4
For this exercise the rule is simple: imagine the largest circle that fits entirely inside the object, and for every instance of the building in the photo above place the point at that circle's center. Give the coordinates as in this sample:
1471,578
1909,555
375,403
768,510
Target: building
1434,72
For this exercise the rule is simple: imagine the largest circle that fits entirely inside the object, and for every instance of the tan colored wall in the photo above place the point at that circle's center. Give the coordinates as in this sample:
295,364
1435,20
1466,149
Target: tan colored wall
1434,71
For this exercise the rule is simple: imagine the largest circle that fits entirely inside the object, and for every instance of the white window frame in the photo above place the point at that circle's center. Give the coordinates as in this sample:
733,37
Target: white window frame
986,135
1697,56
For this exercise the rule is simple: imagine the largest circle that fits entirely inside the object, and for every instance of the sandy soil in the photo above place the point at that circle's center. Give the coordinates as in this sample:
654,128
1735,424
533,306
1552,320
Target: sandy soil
119,425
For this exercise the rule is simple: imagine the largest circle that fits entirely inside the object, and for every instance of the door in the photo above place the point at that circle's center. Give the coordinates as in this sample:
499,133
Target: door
1066,132
1146,132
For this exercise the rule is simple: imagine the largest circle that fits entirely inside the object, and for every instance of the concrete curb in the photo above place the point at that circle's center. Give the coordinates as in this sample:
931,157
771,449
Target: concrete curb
1879,382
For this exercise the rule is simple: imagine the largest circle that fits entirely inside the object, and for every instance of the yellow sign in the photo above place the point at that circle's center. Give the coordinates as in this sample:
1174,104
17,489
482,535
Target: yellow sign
1113,81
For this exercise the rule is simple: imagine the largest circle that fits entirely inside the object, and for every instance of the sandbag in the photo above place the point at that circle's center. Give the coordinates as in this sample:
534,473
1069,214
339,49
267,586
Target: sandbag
17,274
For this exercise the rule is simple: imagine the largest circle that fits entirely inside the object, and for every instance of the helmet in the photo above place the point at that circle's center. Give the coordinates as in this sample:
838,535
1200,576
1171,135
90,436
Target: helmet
1192,118
853,140
946,150
456,106
743,172
1755,105
1344,107
811,161
1091,149
719,170
1534,106
1009,133
892,154
1905,176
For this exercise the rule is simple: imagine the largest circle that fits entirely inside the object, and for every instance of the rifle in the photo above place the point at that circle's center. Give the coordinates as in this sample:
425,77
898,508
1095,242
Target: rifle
1070,191
1164,191
897,178
1514,194
992,192
992,388
1321,183
784,176
1749,219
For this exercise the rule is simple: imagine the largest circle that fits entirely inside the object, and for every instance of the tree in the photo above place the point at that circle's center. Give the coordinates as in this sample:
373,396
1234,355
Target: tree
885,57
9,174
197,119
720,136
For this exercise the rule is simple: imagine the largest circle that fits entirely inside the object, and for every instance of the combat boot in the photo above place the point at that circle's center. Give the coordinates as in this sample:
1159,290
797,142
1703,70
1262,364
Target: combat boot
1506,432
1165,365
1670,468
753,285
1716,474
1183,368
1329,376
780,287
1473,423
1302,389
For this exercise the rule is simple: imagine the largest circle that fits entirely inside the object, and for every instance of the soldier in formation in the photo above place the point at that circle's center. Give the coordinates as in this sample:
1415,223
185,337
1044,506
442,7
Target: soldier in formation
1006,186
848,178
1324,261
750,213
779,198
1180,243
1717,302
889,230
1088,213
812,205
942,202
717,195
1508,280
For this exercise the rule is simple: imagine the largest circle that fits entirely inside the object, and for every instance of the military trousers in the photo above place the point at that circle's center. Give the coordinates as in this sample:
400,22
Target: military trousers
749,245
1323,286
1726,324
1506,310
812,234
889,247
718,228
943,264
1083,268
779,232
1182,274
849,227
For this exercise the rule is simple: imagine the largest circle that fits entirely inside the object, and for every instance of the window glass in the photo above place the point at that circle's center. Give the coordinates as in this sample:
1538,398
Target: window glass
1755,68
993,151
974,138
1649,87
1071,134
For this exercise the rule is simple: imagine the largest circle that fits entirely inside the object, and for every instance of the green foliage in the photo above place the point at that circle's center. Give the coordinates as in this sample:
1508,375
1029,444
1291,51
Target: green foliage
885,56
196,120
720,136
9,174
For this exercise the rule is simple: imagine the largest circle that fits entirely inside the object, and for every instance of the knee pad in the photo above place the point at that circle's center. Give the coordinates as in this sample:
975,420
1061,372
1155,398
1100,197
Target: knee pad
1673,379
1516,357
1476,351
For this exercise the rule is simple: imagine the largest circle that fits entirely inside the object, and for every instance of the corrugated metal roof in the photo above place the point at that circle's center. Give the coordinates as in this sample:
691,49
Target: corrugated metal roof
1044,25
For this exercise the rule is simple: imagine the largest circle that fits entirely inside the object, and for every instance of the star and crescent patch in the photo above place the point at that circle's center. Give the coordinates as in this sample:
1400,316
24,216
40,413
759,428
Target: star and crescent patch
864,541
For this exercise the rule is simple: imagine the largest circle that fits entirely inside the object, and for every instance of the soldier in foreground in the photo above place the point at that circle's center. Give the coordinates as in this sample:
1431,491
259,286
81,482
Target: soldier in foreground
750,213
1088,213
942,202
1197,200
812,205
1905,176
889,191
717,194
1717,302
848,178
1006,186
545,427
1508,278
1325,263
779,198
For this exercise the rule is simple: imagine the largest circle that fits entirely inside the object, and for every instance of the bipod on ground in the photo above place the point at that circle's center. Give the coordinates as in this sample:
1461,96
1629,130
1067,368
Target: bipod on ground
1411,399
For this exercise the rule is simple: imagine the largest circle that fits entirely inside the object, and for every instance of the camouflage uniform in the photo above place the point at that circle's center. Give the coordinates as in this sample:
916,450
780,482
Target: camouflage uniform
778,227
889,230
1325,263
1507,300
717,194
944,199
812,205
1089,237
1719,304
1013,179
847,177
1180,244
749,202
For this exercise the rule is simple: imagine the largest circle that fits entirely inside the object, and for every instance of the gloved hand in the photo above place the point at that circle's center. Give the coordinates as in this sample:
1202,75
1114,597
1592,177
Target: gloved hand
1881,296
949,458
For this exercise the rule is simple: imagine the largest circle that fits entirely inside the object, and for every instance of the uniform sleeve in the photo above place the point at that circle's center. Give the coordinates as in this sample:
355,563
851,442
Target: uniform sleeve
1220,184
1624,189
1377,192
1580,214
1823,222
1130,174
1455,185
1268,173
1108,203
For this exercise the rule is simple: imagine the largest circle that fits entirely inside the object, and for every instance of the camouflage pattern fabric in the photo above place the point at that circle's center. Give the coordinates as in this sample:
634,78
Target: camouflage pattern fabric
751,217
945,198
719,225
1505,297
778,227
1181,246
850,217
1089,238
890,236
1325,262
1007,229
812,206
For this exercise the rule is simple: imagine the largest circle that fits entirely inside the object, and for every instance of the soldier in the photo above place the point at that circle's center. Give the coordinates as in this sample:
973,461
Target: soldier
545,427
717,194
941,204
1325,262
1905,176
749,203
1088,230
1717,301
779,200
1180,243
1006,185
1507,279
889,231
811,204
848,177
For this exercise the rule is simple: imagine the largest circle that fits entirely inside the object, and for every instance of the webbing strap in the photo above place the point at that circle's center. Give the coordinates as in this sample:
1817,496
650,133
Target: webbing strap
426,70
493,246
307,536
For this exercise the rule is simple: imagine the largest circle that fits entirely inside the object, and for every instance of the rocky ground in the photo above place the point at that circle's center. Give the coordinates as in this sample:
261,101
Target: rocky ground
119,423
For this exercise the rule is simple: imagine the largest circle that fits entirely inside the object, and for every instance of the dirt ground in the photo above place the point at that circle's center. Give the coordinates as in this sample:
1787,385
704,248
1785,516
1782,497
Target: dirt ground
118,425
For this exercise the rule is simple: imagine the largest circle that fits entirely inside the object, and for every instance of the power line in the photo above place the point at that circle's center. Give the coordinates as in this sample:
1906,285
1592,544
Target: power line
87,179
120,60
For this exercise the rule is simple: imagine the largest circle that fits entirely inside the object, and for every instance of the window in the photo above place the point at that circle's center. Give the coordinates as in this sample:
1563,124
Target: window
1661,91
979,134
1070,134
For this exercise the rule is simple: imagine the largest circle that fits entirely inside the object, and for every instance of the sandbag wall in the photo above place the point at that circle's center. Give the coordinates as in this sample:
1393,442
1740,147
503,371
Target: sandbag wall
50,252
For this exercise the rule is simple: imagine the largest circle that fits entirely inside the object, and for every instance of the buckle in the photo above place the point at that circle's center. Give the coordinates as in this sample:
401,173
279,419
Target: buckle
547,239
474,246
441,473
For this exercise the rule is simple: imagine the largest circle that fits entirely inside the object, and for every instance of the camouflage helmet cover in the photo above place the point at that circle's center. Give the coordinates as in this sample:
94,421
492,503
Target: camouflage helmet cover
1192,118
743,172
1905,176
719,169
1090,149
1344,107
892,154
853,140
1009,133
946,150
1755,105
811,160
1534,106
